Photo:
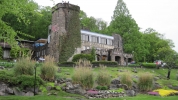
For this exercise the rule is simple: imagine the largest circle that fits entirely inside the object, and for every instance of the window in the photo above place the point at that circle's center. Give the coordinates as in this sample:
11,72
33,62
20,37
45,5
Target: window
86,37
103,41
94,39
6,54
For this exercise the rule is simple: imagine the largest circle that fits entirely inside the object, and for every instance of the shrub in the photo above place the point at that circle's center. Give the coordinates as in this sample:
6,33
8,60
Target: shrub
103,78
126,79
67,64
25,66
105,63
101,87
83,74
21,80
48,69
82,56
149,65
145,82
134,65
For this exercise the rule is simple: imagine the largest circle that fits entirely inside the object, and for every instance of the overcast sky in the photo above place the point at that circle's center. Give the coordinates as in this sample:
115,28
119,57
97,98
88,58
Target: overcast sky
161,15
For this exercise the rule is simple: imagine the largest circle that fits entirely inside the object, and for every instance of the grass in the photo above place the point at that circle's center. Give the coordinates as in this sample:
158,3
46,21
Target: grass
67,96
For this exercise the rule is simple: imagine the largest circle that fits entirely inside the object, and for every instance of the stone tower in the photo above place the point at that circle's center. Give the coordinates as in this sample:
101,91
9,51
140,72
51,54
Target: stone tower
64,28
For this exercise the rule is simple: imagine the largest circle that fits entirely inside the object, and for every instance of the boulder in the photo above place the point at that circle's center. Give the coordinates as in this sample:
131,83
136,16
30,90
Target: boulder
29,94
9,90
130,93
18,91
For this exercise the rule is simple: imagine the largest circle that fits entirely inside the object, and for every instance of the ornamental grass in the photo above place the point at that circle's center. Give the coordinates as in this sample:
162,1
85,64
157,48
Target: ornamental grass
103,78
126,79
24,66
83,74
145,82
163,92
48,68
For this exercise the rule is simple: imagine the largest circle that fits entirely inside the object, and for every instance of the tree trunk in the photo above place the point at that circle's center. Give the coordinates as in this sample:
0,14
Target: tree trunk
168,74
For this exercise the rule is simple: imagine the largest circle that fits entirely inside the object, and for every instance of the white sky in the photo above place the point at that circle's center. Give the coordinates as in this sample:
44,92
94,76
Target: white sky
161,15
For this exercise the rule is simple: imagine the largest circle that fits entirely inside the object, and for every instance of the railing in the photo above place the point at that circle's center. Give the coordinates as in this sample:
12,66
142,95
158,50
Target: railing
97,45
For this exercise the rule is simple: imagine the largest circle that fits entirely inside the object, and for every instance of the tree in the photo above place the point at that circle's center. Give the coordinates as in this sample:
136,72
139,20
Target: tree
16,8
120,9
171,61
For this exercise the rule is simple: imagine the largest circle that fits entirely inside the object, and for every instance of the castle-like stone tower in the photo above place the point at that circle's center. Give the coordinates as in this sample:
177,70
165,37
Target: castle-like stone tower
65,18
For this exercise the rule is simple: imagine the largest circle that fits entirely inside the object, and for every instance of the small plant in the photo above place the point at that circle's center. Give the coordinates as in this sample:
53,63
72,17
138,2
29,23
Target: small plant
83,74
145,82
101,87
24,66
103,77
126,79
48,69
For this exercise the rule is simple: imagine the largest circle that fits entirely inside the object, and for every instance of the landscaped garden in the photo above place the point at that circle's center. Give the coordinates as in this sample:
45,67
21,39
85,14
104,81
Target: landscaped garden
84,81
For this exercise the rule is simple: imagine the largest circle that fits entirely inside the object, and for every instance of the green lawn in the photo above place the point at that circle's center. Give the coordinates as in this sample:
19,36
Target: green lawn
69,97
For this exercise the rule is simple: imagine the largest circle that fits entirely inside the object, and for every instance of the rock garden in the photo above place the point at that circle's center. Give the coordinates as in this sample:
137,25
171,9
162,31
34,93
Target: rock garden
28,78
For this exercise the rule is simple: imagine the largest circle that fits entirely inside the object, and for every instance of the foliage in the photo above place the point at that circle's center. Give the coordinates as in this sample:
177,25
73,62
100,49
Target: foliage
72,39
126,79
149,65
103,78
105,63
21,80
24,66
145,82
48,69
82,56
134,65
163,92
101,87
67,64
93,53
8,33
7,64
83,74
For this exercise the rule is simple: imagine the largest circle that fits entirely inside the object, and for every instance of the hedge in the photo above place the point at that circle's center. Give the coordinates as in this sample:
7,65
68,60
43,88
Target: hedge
134,65
149,65
82,56
106,63
66,64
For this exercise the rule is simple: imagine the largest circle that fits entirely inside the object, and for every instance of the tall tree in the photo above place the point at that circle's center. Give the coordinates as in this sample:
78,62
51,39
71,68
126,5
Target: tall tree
120,9
16,8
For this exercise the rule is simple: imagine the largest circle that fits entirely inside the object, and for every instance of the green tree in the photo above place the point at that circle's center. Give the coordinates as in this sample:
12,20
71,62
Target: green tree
120,9
16,8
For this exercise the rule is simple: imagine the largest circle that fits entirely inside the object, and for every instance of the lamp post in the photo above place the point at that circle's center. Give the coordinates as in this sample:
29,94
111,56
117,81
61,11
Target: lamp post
35,78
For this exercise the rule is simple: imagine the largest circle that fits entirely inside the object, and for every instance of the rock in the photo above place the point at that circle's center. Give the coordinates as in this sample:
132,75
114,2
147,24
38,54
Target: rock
3,87
31,89
48,88
29,94
48,94
2,93
18,92
130,93
156,78
115,81
9,90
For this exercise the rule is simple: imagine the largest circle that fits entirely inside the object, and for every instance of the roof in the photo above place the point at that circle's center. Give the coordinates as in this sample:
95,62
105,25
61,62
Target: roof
96,34
5,45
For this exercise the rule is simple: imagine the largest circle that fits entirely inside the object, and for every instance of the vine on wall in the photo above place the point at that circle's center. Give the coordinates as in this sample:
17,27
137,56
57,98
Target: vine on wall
72,39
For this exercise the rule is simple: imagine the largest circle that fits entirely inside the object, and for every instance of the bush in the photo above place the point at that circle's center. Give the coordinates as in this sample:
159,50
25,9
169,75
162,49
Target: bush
1,53
149,65
83,74
101,87
82,56
21,80
105,63
134,65
25,66
126,79
103,78
145,82
67,64
48,69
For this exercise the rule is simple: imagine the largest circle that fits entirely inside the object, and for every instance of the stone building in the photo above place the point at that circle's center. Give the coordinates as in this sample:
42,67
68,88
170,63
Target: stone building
107,48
